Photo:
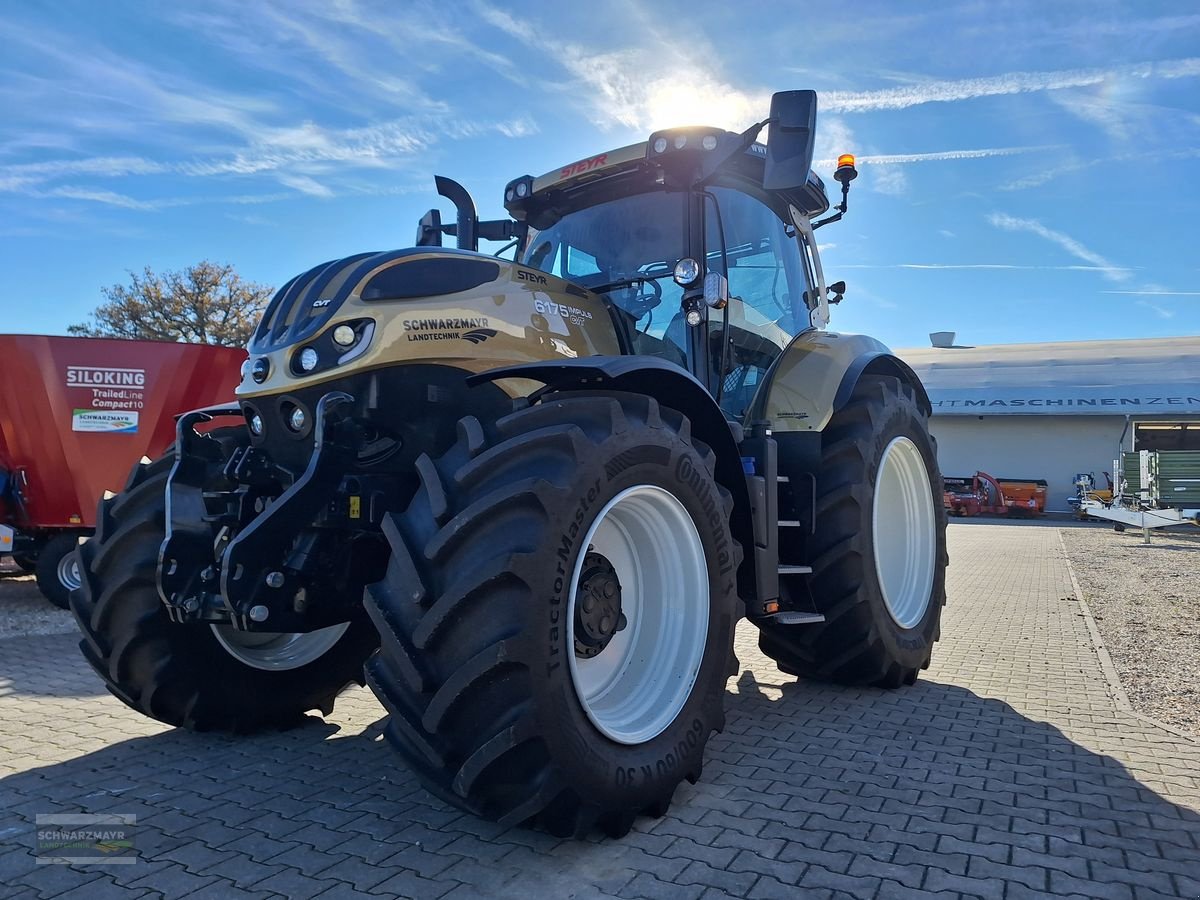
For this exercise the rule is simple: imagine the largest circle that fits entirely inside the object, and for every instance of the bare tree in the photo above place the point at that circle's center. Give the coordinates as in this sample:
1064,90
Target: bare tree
205,303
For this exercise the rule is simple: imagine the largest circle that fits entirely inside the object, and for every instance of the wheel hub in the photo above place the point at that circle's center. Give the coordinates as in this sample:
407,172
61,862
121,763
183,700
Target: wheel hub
598,614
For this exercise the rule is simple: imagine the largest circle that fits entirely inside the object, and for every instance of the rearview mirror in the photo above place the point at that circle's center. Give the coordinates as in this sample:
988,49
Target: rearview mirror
429,229
791,137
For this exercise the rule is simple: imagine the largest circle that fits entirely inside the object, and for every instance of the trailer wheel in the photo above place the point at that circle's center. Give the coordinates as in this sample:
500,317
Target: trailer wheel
879,551
27,564
556,618
57,569
194,676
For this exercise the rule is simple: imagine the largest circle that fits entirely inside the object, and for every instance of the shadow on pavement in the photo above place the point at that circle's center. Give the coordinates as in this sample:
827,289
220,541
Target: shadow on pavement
931,787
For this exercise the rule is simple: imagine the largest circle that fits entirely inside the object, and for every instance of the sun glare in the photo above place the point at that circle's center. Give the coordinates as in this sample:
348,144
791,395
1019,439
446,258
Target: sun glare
674,102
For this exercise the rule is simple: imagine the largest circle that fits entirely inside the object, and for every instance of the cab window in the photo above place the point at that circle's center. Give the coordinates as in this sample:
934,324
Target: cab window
767,282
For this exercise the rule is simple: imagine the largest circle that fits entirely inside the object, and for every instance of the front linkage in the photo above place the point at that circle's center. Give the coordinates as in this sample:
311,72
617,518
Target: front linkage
264,551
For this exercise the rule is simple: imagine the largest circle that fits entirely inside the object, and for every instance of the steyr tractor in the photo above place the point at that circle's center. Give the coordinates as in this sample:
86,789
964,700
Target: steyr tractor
528,500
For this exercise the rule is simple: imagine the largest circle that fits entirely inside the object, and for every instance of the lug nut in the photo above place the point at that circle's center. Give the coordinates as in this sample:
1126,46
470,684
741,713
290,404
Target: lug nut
274,580
259,613
191,605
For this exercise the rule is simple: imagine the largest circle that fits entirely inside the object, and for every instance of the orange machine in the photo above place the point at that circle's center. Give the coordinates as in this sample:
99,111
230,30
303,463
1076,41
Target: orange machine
982,494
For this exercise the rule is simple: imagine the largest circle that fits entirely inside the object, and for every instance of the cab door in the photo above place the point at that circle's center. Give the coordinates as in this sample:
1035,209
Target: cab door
760,255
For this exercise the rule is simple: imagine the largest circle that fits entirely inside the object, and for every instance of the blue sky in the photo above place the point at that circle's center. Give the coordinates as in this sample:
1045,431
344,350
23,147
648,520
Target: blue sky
1029,171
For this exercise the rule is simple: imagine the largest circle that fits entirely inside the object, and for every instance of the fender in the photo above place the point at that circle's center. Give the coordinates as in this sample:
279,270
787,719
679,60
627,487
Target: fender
674,387
816,374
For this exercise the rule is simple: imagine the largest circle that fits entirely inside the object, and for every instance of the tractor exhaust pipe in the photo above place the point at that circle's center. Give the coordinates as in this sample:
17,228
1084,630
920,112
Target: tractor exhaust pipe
467,230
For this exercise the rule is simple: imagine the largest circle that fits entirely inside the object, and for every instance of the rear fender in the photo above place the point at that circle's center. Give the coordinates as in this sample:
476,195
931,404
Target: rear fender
671,386
816,374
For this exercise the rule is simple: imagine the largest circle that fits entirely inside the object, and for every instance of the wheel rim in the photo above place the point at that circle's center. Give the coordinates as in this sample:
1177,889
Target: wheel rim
904,532
637,685
68,572
278,650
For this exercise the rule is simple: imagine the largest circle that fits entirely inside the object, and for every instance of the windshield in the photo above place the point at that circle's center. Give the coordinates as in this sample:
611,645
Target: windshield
626,249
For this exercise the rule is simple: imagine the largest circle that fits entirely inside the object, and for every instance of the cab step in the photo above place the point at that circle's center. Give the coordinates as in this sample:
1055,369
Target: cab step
795,570
793,617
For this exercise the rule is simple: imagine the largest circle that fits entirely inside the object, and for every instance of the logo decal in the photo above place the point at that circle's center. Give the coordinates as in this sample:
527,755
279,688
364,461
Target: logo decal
479,335
107,422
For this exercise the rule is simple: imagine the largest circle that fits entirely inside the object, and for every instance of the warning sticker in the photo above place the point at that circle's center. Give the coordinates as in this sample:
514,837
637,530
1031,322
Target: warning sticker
118,421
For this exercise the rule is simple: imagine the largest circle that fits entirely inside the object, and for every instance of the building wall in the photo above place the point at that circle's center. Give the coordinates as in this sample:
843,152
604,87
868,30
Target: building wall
1049,447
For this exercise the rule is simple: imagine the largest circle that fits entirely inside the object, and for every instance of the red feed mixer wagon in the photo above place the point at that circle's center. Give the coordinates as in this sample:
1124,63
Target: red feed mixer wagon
75,414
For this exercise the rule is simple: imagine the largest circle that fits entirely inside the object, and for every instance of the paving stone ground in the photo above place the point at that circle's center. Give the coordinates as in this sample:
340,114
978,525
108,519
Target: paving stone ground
1008,771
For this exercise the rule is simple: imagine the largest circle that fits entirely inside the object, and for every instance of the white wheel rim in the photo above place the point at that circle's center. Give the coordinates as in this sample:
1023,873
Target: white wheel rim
278,650
68,572
904,532
637,685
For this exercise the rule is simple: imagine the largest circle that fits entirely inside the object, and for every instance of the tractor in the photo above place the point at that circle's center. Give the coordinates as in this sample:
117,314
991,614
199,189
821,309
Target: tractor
528,499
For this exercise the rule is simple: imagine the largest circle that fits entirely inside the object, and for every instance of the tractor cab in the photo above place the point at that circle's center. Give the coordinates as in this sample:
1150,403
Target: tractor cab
699,240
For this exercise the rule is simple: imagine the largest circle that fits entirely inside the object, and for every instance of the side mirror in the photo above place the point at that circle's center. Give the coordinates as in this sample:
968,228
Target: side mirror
429,229
838,288
791,138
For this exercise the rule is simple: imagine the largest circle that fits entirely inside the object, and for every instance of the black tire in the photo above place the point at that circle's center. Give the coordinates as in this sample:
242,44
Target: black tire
473,663
860,643
180,674
47,569
27,564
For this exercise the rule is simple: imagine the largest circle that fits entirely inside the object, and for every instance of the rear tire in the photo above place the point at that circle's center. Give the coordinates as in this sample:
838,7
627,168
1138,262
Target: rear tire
27,564
879,568
481,647
57,569
182,674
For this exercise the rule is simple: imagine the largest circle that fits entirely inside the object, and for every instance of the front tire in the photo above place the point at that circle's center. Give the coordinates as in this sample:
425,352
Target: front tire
514,691
879,552
190,675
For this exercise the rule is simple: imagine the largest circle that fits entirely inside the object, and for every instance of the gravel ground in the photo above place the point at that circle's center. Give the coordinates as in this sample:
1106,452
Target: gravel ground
1146,605
23,609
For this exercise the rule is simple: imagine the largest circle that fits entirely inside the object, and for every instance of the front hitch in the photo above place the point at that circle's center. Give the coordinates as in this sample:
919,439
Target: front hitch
254,589
187,548
249,584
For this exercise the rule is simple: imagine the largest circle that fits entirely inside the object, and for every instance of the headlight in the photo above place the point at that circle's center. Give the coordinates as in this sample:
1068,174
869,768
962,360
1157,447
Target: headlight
660,145
344,335
245,368
297,420
256,425
709,142
308,359
259,369
686,271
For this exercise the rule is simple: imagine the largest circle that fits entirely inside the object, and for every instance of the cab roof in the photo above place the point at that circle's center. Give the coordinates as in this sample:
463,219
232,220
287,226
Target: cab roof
524,197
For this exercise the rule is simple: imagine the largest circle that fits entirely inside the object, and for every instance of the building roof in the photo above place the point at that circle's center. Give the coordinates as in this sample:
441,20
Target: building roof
1149,376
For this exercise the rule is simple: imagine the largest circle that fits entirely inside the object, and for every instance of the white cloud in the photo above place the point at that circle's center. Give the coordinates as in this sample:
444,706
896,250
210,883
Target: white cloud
1161,311
1010,223
1157,293
950,91
1014,266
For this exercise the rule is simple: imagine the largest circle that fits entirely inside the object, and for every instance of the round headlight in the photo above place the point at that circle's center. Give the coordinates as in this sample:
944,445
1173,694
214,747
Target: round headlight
693,317
508,195
522,189
245,368
686,271
660,145
297,420
344,335
259,369
681,142
256,425
308,359
709,142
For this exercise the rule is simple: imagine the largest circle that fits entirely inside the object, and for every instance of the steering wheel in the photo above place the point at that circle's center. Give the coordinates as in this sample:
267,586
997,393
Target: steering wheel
638,300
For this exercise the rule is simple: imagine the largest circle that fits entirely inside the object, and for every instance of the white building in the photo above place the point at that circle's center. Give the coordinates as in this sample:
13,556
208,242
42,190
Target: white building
1051,410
